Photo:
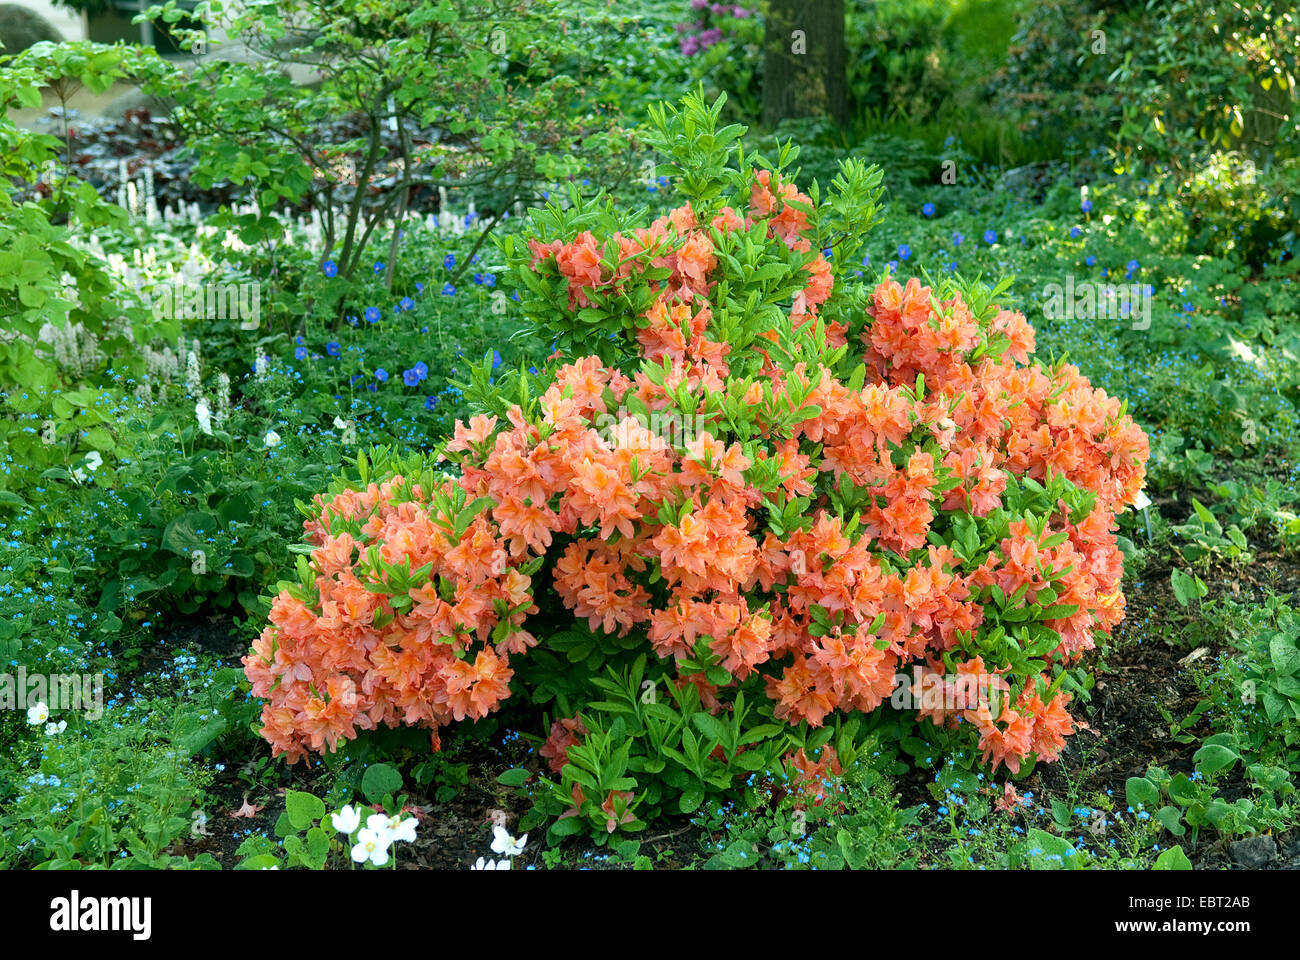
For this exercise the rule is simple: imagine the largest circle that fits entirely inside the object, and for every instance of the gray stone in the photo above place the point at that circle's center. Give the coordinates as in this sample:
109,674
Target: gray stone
20,28
1254,853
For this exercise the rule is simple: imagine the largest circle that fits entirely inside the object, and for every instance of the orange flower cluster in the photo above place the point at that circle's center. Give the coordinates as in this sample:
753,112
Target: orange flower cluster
673,536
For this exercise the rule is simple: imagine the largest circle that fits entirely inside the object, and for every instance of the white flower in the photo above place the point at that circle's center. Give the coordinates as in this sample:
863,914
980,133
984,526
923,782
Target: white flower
54,729
93,462
39,713
1141,501
401,829
507,845
372,846
346,820
271,439
340,423
204,415
481,864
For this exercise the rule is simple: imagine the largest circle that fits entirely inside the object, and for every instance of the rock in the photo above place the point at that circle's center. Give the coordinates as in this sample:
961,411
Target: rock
20,28
1254,853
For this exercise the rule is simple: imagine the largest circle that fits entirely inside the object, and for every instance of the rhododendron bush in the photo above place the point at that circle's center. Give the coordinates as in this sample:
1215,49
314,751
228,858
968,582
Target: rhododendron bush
750,490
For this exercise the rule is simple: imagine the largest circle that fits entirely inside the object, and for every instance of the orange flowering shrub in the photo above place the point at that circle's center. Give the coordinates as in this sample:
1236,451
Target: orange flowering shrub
779,486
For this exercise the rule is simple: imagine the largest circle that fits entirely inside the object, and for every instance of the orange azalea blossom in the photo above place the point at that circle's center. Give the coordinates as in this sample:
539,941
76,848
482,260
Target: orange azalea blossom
812,533
565,733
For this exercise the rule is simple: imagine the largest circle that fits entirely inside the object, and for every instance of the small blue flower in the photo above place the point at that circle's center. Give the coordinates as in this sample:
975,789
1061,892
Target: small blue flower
904,251
373,314
1086,206
379,266
449,261
1091,261
1131,265
430,402
990,237
496,359
928,210
448,290
419,287
381,374
410,378
1075,233
422,370
406,304
300,353
331,268
957,238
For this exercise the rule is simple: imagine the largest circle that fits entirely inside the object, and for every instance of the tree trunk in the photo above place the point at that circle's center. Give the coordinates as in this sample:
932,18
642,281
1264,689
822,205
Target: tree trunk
804,61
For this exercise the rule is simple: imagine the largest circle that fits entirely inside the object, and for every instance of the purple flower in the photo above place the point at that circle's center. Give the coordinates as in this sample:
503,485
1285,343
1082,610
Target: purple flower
928,209
381,374
373,314
331,268
333,349
711,36
740,13
699,4
690,46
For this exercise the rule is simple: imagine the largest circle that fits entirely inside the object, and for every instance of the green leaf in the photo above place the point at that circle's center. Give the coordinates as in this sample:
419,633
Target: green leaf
1172,818
1213,757
691,799
1284,654
380,780
565,828
1141,792
303,808
514,777
1173,859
